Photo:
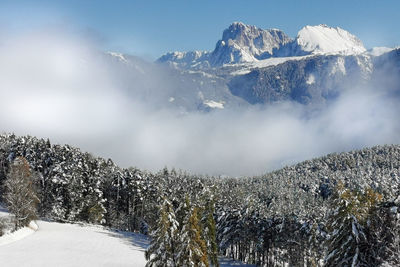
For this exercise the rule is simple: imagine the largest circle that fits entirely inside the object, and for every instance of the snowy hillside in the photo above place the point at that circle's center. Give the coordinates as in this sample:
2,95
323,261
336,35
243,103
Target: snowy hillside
322,39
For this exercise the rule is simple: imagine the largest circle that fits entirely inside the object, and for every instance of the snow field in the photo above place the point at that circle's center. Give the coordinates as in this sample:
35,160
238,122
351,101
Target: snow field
61,245
56,244
18,235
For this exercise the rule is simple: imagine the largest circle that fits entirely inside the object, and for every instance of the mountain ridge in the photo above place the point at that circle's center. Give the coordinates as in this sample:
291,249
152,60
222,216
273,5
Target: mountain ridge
243,43
250,65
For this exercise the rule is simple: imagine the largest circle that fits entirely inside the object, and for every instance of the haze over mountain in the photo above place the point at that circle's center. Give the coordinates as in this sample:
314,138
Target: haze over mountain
265,66
260,98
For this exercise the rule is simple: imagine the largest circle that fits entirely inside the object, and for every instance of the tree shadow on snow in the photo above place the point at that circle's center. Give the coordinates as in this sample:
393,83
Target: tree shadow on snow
140,241
224,262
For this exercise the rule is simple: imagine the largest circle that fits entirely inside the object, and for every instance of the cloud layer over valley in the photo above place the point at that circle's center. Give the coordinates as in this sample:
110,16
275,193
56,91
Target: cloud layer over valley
64,88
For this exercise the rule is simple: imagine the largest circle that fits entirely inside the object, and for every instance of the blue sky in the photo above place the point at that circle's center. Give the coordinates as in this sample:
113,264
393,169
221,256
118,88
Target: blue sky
151,28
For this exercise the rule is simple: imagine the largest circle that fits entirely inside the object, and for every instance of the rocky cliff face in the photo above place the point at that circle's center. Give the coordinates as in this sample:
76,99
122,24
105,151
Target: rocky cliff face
243,43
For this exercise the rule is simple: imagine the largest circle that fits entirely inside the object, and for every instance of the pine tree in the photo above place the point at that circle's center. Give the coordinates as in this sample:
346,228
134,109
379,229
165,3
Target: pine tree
385,234
192,249
20,195
348,244
161,251
210,232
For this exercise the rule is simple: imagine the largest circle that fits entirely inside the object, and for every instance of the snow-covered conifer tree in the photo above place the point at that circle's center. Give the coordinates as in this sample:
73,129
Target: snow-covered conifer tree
162,250
192,250
348,244
209,232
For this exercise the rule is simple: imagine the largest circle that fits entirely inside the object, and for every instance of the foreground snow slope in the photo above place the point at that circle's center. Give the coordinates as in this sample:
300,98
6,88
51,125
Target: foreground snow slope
61,245
56,244
22,233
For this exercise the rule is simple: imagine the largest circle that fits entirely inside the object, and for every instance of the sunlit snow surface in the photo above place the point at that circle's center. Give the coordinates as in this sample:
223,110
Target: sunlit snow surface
322,39
214,104
248,67
8,238
57,244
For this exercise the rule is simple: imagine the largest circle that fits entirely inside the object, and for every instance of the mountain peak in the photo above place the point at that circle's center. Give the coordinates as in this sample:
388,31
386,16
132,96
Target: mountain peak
237,30
323,39
246,43
241,43
237,24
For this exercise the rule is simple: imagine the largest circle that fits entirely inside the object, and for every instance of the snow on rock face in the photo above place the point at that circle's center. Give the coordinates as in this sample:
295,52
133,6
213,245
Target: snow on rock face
310,79
118,56
244,43
186,59
184,56
214,104
339,66
323,39
241,44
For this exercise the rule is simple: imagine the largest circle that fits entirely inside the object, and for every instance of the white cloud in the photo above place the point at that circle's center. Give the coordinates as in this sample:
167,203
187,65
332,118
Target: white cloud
60,87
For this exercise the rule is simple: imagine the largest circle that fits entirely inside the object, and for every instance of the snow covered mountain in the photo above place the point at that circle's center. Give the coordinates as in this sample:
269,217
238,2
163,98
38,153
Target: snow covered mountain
185,90
310,80
322,39
243,43
191,59
250,66
240,43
